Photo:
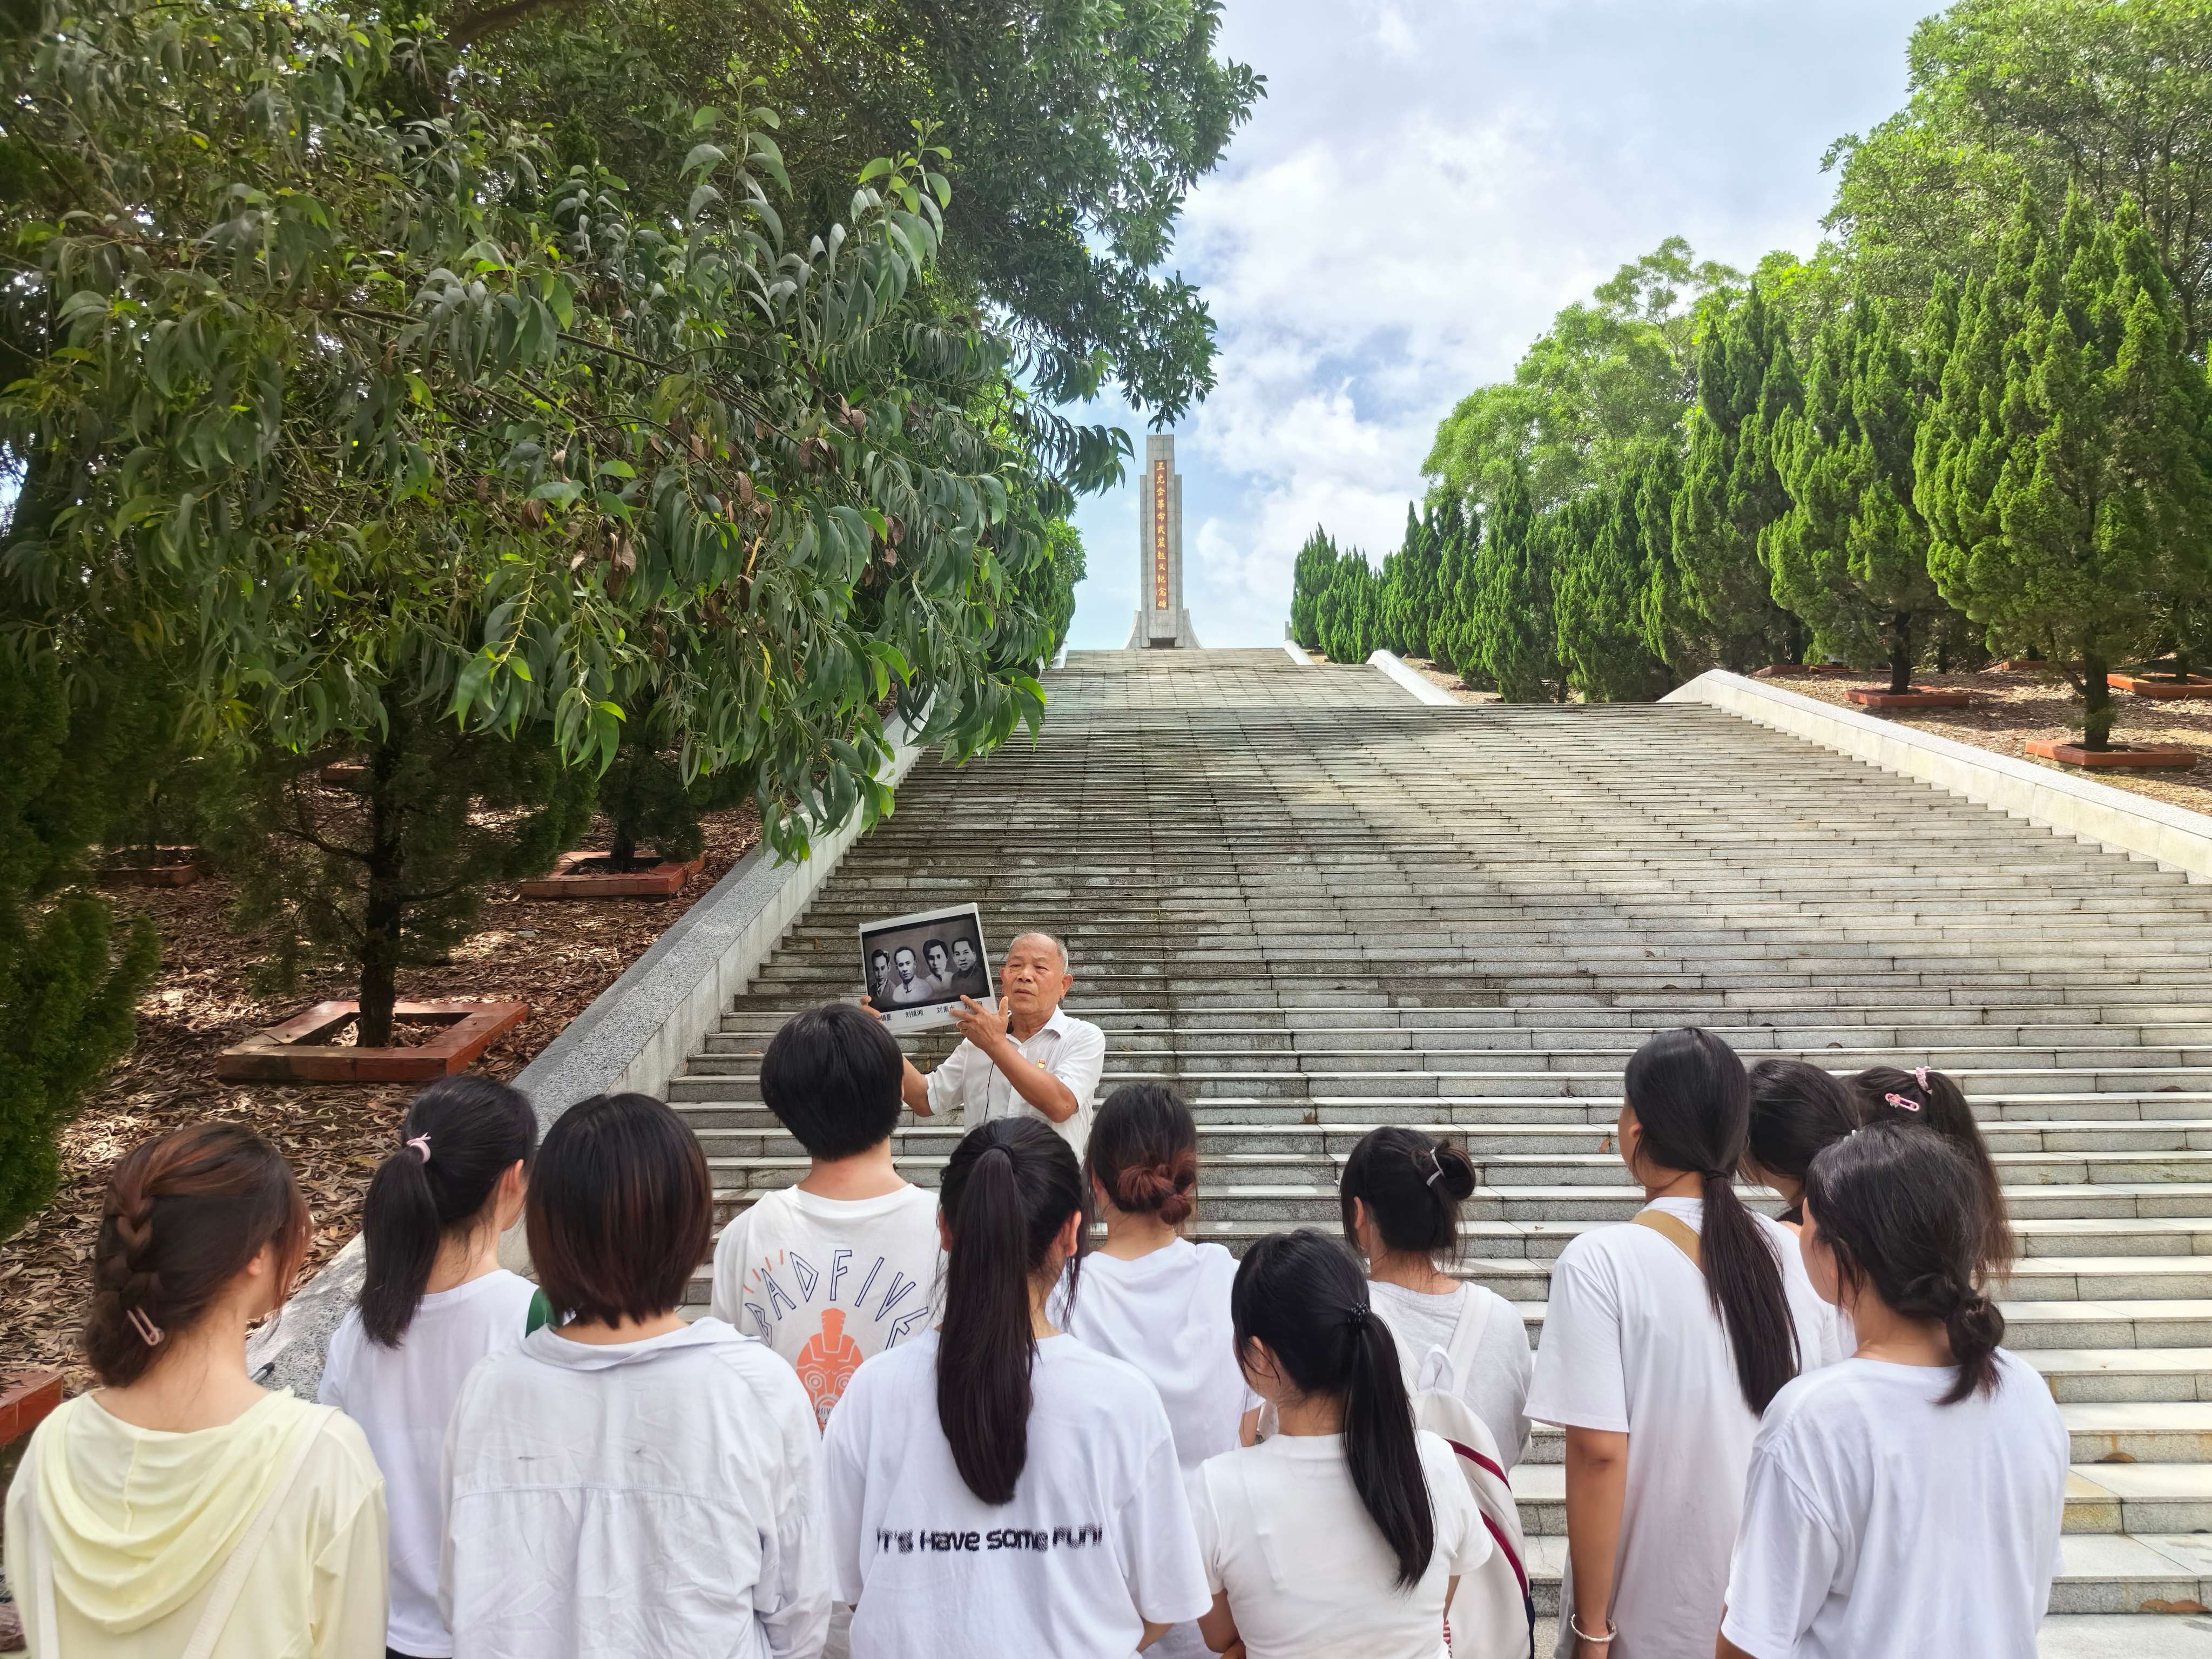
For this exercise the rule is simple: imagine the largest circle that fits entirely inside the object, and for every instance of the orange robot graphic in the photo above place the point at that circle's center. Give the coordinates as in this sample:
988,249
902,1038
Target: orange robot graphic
827,1362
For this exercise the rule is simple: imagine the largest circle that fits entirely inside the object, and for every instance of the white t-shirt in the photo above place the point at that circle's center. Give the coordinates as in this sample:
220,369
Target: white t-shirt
826,1282
1281,1529
1497,1388
403,1398
1878,1522
1096,1542
1167,1314
659,1497
1632,1346
1072,1050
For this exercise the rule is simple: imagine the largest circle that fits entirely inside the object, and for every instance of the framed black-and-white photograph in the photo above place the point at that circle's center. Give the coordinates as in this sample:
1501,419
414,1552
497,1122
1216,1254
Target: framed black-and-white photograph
915,968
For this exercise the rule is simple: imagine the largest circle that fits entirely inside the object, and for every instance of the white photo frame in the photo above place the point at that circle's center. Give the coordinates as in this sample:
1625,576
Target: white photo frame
916,968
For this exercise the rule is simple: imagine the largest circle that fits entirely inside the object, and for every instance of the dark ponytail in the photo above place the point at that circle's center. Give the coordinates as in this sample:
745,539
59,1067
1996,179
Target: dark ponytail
1691,1096
1303,1296
1797,1110
461,1134
1144,1152
1413,1186
1933,1101
1009,1189
1902,1214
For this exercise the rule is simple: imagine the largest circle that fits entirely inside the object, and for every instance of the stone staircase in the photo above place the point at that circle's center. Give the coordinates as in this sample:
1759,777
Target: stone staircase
1316,905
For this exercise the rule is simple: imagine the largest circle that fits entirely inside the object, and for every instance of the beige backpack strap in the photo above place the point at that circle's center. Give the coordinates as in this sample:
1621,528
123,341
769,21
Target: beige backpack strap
1676,1231
232,1579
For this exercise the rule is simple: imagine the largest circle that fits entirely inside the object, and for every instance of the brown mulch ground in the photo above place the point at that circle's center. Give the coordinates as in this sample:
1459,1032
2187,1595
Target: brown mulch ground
554,954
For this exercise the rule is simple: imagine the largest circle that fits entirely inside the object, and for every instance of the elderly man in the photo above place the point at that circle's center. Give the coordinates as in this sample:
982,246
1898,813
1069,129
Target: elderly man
1028,1059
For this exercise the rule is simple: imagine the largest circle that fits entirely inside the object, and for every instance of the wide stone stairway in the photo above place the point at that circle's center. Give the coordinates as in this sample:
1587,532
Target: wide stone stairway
1316,905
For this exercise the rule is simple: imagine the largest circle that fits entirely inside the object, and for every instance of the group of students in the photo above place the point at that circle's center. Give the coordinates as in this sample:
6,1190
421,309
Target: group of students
919,1425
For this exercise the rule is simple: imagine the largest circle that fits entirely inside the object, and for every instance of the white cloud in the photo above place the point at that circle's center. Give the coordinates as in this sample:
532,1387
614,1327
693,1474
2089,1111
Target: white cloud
1426,183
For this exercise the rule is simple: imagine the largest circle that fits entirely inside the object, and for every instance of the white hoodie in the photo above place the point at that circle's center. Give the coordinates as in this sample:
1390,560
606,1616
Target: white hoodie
129,1528
654,1497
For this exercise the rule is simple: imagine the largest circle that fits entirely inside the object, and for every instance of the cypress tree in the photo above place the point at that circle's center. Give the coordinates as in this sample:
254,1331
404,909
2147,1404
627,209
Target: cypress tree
1717,587
1603,549
1455,636
1512,631
1309,579
2062,470
1850,556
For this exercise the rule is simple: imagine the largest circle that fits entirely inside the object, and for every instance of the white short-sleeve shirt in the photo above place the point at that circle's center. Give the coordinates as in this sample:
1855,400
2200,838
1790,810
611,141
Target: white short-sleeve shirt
1880,1522
1072,1050
1632,1346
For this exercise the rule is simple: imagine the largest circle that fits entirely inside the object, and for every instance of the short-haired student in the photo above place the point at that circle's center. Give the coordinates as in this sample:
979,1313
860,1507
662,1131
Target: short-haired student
1663,1341
1346,1531
994,1486
623,1483
180,1508
844,1264
1910,1499
1400,1198
434,1301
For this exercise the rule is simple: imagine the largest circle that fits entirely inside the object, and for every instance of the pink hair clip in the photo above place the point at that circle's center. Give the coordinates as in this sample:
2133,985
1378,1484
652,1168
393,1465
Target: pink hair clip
421,1144
1920,1077
1902,1103
149,1332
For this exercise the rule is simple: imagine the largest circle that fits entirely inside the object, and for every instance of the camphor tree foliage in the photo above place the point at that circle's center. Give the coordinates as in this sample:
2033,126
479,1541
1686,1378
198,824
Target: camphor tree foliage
2062,468
371,415
1075,131
1310,576
2106,97
1610,379
1510,630
1730,492
1850,554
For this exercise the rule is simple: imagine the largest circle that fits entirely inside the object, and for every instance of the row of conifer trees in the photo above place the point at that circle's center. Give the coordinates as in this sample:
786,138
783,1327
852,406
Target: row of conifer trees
2024,467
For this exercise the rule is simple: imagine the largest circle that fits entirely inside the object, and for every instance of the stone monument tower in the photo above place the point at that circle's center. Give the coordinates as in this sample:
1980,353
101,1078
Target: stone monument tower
1161,618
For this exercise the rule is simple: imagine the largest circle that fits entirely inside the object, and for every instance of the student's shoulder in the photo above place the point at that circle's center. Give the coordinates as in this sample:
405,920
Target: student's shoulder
1111,1386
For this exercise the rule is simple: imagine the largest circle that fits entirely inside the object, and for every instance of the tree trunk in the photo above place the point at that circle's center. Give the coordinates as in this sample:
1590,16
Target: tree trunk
623,854
1900,653
386,904
2096,702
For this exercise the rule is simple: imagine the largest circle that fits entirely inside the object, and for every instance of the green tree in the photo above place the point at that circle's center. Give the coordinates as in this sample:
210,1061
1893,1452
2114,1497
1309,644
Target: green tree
67,983
1408,580
1609,379
1730,491
2061,469
1310,576
1850,556
1512,631
2106,97
1075,133
1602,548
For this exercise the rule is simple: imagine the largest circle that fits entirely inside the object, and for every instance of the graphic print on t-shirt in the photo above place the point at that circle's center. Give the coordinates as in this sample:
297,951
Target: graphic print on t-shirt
791,1292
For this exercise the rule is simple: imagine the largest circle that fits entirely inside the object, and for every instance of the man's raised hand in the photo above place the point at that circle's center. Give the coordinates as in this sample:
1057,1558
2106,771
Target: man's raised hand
978,1023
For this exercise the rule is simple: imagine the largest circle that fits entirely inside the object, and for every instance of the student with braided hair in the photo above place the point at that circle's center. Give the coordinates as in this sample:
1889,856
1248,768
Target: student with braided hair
180,1508
1909,1499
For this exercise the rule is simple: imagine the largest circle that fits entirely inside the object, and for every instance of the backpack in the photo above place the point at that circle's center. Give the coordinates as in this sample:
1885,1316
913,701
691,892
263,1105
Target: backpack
1492,1615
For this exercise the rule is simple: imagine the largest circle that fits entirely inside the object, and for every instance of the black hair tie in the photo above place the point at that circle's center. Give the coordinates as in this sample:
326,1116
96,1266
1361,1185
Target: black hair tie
1357,1318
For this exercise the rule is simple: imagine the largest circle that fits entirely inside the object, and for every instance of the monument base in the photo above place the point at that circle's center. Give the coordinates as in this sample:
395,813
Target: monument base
1162,630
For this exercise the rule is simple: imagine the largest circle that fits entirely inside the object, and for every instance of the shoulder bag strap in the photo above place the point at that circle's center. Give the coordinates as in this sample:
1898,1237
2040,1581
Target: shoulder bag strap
243,1554
1676,1231
1467,1336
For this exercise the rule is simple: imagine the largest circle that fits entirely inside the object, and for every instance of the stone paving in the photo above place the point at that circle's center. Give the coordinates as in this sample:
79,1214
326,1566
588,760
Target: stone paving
1316,906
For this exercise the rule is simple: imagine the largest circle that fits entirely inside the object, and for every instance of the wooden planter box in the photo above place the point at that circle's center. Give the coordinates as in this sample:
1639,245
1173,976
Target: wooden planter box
170,867
2166,687
2020,665
293,1052
2139,757
661,880
26,1397
346,774
1869,697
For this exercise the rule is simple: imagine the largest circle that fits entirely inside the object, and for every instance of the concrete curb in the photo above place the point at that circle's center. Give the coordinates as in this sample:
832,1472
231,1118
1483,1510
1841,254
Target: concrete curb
2095,812
1424,688
635,1035
1297,654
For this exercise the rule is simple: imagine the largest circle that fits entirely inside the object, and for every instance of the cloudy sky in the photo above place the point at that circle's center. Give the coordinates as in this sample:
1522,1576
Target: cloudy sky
1426,182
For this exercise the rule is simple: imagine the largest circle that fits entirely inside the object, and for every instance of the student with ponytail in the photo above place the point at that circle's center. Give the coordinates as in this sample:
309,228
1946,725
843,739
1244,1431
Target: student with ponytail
994,1484
178,1508
1399,1194
1932,1100
1909,1499
1663,1341
434,1301
1347,1531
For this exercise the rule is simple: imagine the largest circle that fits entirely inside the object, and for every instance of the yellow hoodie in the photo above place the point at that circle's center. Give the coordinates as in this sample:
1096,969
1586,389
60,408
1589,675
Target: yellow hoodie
133,1525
